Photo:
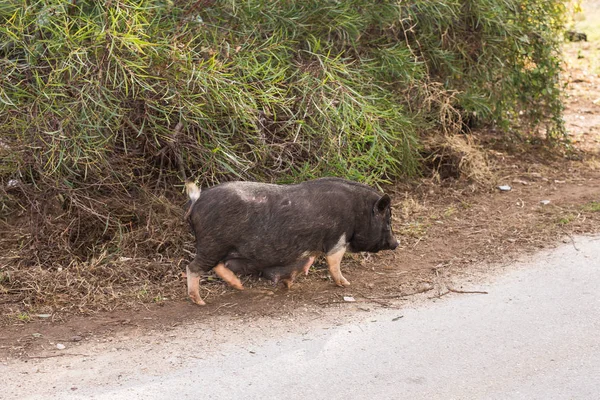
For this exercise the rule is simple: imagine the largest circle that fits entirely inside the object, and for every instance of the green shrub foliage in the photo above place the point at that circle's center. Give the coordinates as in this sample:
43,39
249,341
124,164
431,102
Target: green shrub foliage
107,97
125,90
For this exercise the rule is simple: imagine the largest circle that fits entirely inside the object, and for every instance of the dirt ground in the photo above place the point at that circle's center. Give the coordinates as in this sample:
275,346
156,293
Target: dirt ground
446,229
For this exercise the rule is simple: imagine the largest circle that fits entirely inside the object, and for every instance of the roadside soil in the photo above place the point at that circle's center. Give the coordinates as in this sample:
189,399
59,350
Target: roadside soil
447,229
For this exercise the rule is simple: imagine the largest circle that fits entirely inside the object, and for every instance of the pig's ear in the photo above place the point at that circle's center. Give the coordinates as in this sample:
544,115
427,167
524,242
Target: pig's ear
382,204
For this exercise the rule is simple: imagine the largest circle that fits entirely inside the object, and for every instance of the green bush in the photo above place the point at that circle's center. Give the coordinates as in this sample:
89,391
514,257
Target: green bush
103,101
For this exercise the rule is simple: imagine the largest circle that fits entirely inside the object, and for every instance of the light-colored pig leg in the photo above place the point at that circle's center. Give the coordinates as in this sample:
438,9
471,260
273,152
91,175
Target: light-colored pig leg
308,264
333,261
228,276
193,284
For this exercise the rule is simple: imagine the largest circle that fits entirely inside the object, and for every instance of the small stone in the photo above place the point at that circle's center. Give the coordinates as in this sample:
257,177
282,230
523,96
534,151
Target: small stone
43,315
349,298
60,346
36,335
504,188
545,202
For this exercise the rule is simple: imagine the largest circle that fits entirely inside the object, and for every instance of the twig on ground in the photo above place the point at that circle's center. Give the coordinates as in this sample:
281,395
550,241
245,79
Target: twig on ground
228,305
417,242
467,291
60,355
451,290
572,240
396,296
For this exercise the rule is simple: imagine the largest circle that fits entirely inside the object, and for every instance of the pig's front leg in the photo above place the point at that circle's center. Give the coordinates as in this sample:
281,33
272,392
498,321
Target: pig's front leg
333,261
305,267
308,264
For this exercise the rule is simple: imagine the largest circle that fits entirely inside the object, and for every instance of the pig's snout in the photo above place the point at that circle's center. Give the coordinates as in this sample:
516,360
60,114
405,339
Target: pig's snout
393,243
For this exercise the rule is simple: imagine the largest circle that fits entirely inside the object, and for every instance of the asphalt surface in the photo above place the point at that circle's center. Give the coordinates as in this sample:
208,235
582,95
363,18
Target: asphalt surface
534,335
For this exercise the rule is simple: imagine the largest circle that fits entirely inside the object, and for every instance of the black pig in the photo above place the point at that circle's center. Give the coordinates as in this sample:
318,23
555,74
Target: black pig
258,227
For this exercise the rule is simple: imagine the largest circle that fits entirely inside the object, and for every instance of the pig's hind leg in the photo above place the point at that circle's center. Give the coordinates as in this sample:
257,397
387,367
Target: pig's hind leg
199,264
228,276
193,282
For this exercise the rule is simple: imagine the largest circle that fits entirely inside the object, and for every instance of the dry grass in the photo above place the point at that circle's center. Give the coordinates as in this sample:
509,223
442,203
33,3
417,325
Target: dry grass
457,156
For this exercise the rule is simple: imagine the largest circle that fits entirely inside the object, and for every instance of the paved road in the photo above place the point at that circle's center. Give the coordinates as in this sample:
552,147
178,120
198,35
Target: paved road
535,335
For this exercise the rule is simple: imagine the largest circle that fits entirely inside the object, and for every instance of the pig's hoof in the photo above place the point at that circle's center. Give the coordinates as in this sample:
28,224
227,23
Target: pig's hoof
288,283
197,299
343,282
237,286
